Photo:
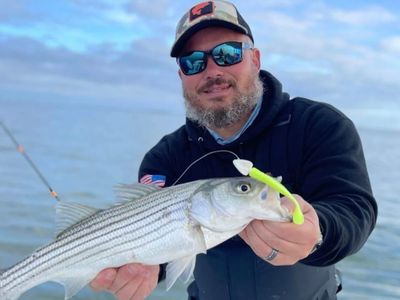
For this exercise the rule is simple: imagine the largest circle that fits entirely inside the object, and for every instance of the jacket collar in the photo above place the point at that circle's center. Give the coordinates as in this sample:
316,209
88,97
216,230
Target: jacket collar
273,101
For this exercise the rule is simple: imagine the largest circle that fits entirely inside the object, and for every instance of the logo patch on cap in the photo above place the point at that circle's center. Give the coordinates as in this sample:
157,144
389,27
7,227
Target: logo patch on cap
201,9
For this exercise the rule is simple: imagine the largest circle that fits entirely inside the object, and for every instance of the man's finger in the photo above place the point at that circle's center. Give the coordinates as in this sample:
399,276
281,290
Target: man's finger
124,275
103,280
253,239
244,236
129,290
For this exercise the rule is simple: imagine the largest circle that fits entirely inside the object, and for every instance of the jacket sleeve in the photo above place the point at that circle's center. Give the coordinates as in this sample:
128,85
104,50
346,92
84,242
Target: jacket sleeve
333,178
160,161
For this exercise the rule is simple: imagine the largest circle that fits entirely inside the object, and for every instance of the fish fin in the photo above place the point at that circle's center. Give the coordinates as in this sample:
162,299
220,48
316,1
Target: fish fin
200,241
184,267
130,192
75,282
181,267
188,271
68,214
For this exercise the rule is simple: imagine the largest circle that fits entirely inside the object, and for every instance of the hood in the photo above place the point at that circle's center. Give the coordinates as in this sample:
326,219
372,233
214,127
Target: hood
273,101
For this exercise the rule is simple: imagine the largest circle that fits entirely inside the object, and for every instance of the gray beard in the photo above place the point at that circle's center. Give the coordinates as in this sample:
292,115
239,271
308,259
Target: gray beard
242,105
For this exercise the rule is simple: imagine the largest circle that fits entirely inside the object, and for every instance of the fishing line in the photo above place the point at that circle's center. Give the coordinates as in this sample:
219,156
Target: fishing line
200,158
21,150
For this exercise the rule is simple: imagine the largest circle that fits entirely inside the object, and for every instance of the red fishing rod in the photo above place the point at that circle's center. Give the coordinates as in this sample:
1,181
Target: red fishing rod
22,150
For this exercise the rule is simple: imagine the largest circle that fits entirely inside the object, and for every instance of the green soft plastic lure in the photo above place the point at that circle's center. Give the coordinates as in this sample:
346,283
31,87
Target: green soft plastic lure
246,168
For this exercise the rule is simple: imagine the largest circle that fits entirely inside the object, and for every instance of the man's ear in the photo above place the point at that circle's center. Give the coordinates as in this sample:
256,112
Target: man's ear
257,58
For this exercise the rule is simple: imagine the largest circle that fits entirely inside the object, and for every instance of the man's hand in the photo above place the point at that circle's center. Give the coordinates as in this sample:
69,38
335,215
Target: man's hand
293,242
129,282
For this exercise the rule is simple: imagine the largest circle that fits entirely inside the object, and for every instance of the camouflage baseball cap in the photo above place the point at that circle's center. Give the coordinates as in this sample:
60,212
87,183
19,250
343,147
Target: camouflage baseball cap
206,14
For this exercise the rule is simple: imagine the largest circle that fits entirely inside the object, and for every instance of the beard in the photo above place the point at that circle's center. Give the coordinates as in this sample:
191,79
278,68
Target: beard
243,103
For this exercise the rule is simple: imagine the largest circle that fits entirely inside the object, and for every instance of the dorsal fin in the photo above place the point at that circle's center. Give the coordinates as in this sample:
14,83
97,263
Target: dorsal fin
130,192
68,214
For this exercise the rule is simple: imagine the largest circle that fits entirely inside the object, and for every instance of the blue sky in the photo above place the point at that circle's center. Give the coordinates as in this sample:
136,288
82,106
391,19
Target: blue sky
342,52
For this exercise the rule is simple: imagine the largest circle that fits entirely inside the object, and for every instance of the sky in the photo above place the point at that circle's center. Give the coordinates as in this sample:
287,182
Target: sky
342,52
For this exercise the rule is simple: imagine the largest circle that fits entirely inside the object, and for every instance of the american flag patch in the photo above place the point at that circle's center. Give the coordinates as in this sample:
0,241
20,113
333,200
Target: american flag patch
158,180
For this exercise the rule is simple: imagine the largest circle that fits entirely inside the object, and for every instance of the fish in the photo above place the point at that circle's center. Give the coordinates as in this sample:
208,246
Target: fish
148,225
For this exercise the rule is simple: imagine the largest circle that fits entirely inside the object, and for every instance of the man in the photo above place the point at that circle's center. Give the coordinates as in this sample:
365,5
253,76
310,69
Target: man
233,105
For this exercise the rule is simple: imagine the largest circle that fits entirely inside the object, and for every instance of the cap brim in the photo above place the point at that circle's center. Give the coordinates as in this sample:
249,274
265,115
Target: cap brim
177,47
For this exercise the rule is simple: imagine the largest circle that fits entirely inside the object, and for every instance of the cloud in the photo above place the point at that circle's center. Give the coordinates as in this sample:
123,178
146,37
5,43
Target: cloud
156,9
121,16
365,16
95,4
15,11
347,61
120,50
102,74
391,45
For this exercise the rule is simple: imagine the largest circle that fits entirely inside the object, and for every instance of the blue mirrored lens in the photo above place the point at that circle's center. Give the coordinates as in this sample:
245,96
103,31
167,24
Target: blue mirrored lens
193,63
227,54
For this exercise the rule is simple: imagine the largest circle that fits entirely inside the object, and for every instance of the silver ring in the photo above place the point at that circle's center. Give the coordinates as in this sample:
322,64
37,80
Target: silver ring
272,255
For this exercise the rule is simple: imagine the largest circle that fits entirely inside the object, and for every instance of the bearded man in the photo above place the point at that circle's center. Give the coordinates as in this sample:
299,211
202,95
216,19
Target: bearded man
231,104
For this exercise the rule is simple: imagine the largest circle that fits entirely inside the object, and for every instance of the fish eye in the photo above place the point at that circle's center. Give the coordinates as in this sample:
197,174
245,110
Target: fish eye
244,187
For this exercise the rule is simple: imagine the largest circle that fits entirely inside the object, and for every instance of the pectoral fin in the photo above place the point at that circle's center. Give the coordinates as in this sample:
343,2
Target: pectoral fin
181,267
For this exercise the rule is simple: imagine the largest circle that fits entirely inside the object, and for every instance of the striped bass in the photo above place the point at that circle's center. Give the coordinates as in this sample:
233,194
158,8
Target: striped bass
149,225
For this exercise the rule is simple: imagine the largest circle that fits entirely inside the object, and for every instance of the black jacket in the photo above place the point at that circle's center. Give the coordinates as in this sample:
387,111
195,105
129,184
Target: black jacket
319,154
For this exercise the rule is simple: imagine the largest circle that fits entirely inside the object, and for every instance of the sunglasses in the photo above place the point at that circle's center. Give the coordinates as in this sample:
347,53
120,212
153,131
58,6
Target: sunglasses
224,55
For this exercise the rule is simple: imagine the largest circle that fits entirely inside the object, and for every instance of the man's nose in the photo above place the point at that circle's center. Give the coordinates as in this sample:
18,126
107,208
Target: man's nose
213,69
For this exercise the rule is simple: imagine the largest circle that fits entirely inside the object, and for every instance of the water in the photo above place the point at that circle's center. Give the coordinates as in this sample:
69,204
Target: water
84,149
374,272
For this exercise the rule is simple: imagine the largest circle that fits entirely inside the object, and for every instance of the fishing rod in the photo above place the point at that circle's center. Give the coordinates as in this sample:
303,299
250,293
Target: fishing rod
21,150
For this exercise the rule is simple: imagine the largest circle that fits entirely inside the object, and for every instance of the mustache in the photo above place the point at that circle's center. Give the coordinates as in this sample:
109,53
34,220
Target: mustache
216,81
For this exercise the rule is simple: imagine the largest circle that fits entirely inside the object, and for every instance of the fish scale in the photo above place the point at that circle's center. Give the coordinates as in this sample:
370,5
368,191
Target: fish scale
151,226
